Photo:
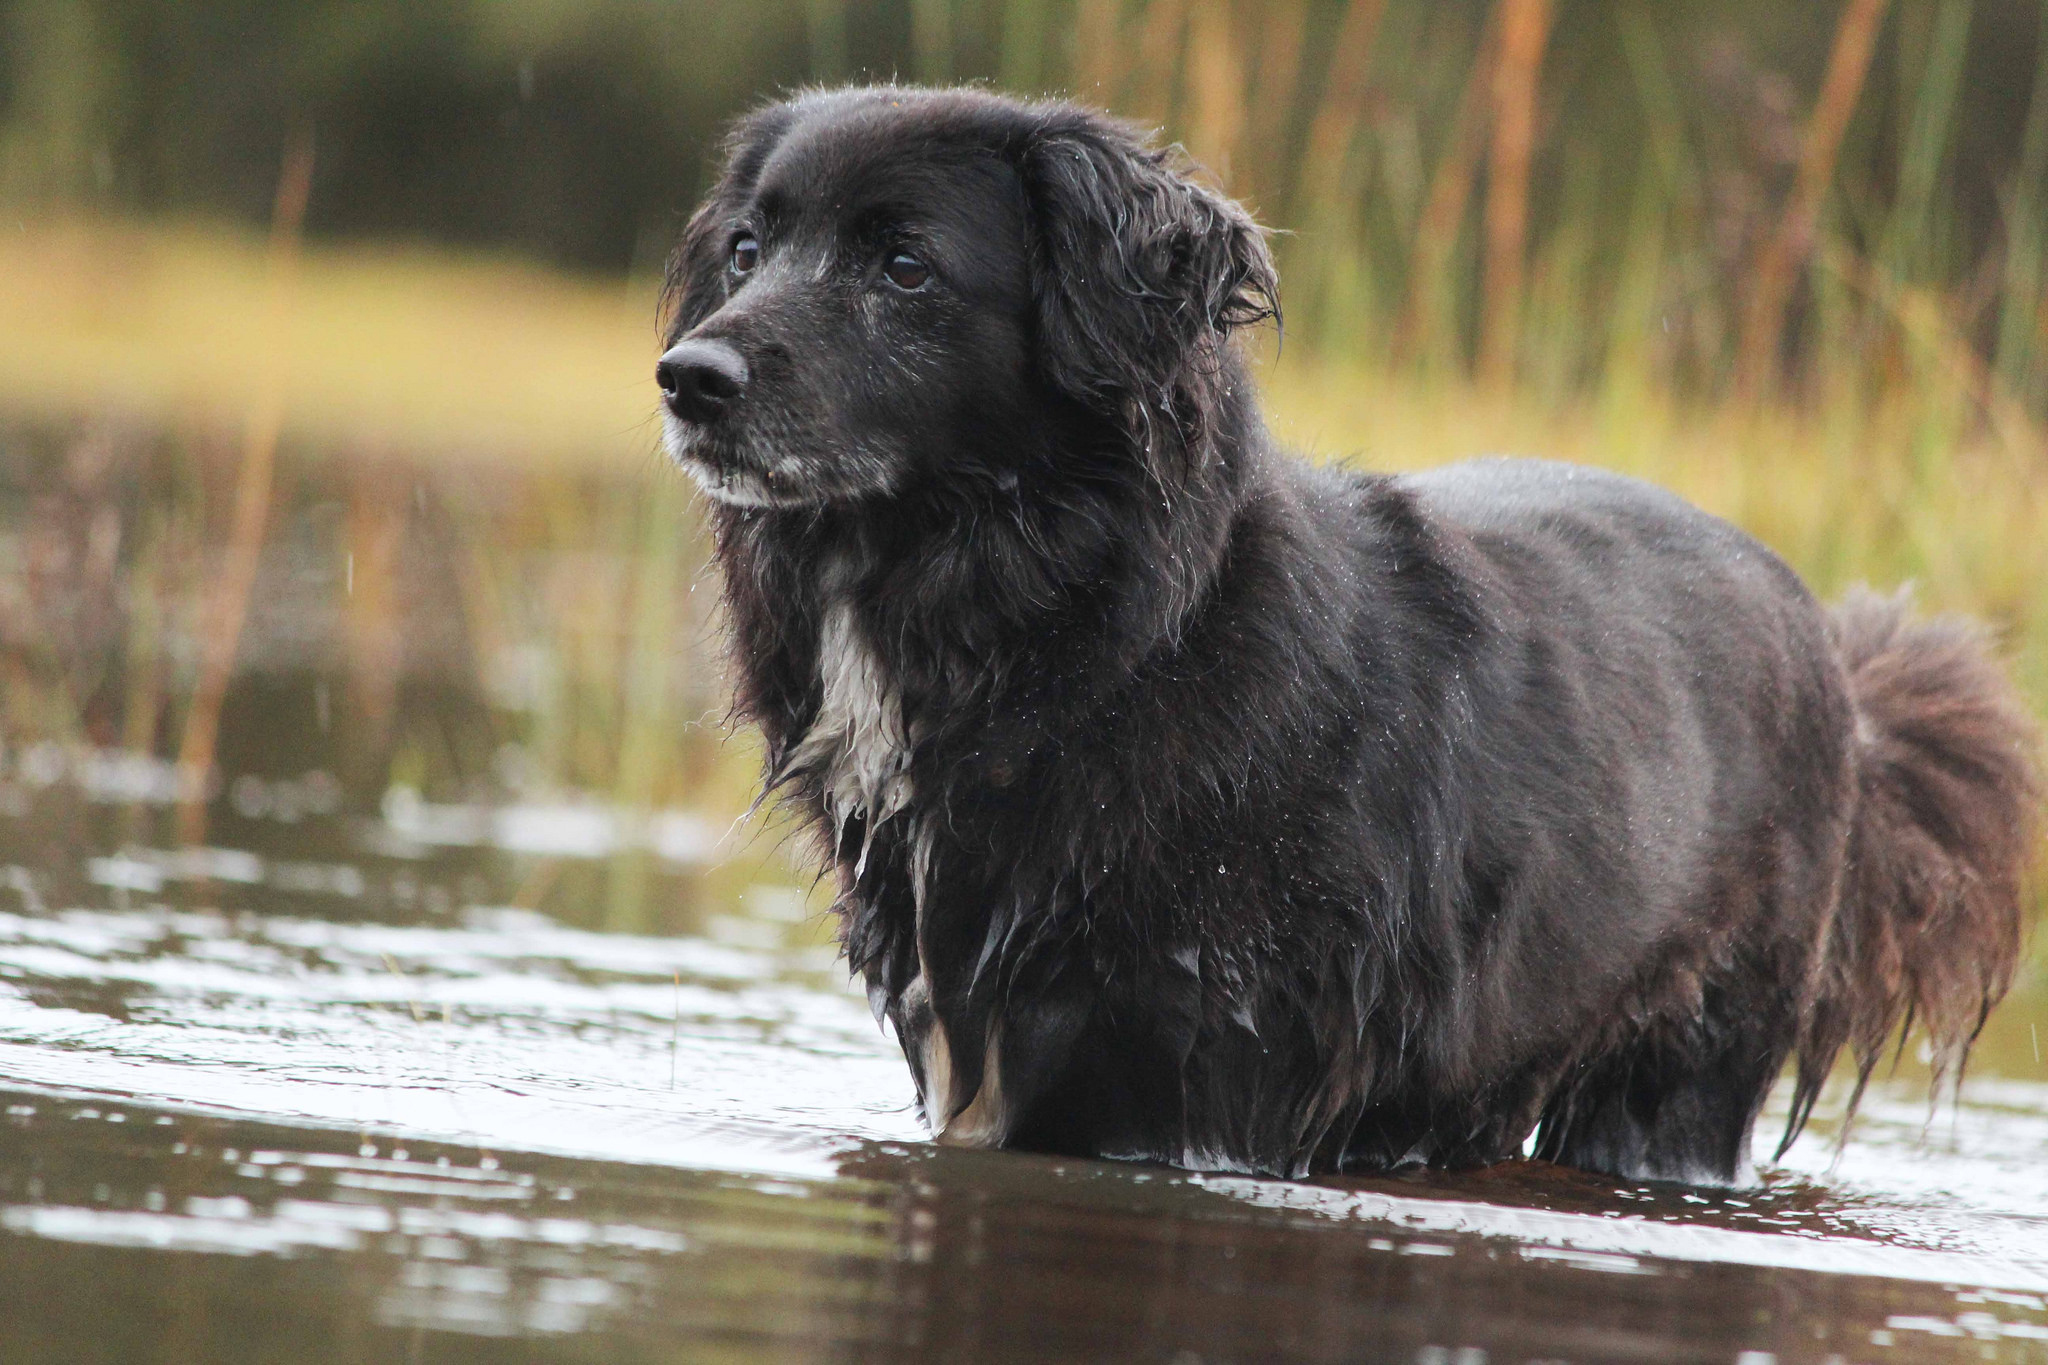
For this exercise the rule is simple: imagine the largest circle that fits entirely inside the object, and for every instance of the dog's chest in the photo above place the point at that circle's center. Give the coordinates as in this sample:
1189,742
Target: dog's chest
856,742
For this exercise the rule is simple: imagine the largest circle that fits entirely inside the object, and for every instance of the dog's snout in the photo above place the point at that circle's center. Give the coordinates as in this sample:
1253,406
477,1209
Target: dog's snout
700,378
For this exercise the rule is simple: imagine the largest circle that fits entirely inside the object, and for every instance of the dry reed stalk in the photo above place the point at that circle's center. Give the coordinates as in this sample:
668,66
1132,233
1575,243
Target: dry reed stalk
1024,33
375,525
647,724
228,603
1216,115
1345,92
1098,51
825,35
2017,351
142,706
1276,85
1763,322
1937,81
1921,316
1524,33
931,40
1450,190
1160,40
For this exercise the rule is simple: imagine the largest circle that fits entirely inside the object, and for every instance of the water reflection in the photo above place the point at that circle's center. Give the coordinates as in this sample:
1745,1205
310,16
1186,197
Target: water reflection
244,1231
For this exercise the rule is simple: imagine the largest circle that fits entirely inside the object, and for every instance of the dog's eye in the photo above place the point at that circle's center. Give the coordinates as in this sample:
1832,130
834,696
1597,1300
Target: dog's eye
746,254
906,271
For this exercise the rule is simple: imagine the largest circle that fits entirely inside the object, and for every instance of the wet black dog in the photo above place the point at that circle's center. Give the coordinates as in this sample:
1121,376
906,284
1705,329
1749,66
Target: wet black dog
1193,804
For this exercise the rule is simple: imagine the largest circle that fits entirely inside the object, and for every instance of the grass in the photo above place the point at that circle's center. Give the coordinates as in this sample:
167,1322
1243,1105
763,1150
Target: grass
398,348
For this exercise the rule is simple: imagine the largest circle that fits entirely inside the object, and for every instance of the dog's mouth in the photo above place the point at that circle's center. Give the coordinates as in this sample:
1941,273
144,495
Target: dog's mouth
735,480
745,477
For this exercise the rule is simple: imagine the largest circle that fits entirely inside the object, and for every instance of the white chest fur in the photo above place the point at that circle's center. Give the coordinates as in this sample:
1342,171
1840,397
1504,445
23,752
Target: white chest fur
857,740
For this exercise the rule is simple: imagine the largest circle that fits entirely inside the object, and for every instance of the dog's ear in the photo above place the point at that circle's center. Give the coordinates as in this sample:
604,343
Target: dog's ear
694,284
1137,268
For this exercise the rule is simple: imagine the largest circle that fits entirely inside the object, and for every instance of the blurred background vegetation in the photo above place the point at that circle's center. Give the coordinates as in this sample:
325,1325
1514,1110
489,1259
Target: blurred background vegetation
325,328
1525,184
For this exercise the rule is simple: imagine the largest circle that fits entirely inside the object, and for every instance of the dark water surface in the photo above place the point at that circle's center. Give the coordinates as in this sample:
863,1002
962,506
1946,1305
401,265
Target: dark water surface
301,1133
442,1047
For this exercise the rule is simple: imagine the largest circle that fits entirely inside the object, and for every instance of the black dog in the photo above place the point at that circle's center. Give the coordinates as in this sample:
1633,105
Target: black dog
1193,804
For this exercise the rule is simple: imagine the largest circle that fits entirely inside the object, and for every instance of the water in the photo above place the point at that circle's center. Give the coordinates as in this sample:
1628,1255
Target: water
363,1077
246,1120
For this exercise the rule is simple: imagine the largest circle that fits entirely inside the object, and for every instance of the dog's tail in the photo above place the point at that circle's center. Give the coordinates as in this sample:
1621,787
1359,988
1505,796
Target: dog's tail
1928,922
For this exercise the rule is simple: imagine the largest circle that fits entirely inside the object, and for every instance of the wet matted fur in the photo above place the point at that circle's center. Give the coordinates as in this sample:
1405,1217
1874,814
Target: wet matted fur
1191,803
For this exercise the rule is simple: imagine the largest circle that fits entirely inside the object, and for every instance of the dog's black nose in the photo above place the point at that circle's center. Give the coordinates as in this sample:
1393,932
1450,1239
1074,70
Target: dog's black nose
700,378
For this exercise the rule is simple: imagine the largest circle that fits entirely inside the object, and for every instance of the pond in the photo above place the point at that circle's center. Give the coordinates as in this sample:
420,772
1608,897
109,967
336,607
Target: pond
461,1031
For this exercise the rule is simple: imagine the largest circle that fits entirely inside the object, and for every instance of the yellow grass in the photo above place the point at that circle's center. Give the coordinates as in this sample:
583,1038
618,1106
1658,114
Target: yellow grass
410,348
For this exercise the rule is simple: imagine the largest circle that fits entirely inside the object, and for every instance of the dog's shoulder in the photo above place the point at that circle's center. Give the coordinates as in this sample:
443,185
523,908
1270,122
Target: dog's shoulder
1502,491
1591,514
1581,554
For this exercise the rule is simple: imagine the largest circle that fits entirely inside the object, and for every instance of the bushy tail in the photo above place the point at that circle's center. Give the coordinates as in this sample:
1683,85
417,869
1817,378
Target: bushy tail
1928,924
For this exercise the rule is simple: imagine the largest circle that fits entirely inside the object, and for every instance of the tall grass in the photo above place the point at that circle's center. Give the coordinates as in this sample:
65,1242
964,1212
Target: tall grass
1450,212
2021,352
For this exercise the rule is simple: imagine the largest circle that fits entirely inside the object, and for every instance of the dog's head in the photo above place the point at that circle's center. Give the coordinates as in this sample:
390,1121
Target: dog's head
890,285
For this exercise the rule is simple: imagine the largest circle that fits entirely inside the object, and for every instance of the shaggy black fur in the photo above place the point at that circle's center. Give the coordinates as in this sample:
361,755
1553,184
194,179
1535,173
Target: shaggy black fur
1194,804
